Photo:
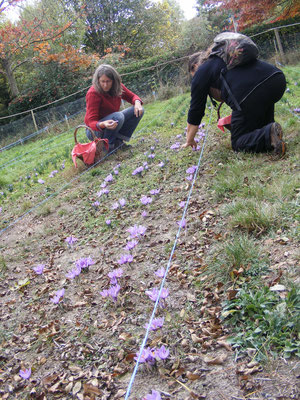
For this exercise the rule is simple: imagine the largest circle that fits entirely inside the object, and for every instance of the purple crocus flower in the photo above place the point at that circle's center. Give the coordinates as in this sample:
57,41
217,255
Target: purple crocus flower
122,202
108,222
138,170
156,324
53,173
189,177
151,155
125,258
131,244
175,146
58,296
115,205
146,200
73,273
182,223
71,240
113,275
162,353
39,269
160,272
41,181
104,293
154,191
192,169
25,373
144,214
182,204
161,164
137,230
147,356
116,171
153,294
103,184
96,204
113,291
154,395
109,178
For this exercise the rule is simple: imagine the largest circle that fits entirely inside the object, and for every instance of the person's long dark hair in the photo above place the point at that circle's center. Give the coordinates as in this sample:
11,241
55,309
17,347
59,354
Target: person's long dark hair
197,59
111,73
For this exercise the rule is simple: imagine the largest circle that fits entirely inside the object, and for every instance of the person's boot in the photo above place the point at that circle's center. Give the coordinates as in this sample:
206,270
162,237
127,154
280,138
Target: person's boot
277,143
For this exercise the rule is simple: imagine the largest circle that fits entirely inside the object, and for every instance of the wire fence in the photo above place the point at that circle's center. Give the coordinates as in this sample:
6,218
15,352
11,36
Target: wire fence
278,44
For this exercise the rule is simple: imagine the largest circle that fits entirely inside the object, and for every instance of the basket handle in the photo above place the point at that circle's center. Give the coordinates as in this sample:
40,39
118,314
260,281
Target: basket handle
86,127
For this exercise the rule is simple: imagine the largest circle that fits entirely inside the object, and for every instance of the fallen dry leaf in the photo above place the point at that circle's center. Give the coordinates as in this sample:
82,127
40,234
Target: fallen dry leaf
217,360
91,389
192,377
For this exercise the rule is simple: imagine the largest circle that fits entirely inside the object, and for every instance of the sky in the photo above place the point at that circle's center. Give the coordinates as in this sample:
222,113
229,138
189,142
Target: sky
187,7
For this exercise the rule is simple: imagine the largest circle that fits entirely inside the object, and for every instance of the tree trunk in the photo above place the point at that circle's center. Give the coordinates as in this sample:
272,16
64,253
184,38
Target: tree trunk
7,70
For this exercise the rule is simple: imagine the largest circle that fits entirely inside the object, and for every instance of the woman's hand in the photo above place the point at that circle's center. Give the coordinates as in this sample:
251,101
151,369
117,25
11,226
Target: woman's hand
190,136
108,124
138,109
191,143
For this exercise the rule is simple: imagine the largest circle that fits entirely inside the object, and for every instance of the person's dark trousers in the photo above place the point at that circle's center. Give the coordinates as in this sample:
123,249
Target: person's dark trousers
127,123
250,127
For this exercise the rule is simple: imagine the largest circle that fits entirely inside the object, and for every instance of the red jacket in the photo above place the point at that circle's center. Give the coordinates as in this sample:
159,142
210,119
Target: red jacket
99,105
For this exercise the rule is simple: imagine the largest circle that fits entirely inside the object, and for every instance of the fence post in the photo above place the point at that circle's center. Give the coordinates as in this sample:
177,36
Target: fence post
34,121
283,59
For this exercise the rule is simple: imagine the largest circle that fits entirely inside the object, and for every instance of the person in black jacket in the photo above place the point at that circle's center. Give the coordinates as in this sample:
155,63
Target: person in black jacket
251,90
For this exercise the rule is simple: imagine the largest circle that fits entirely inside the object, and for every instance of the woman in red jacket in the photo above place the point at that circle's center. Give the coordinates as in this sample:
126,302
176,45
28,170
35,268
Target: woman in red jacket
103,101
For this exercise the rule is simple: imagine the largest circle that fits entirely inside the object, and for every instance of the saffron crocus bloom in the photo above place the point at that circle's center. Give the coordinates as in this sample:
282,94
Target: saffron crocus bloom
122,202
116,171
182,223
115,205
147,356
39,269
113,291
192,169
108,222
175,146
113,275
161,164
146,200
41,181
153,294
138,170
104,293
182,204
154,395
53,173
103,184
71,240
58,296
160,272
162,353
96,204
154,191
189,177
125,258
109,178
156,324
130,245
137,230
72,274
25,373
151,155
144,214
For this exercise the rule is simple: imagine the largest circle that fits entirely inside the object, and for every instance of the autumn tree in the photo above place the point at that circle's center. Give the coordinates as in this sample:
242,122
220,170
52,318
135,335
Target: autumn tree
252,12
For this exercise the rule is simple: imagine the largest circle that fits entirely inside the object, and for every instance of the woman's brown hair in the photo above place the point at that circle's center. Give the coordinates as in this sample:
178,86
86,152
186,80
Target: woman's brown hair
111,73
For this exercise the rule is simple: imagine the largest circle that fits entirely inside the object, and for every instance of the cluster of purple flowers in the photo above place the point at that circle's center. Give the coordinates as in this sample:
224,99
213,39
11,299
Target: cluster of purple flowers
150,356
156,324
125,258
80,264
58,296
53,173
120,203
154,293
70,240
140,169
137,231
190,172
175,146
113,291
146,200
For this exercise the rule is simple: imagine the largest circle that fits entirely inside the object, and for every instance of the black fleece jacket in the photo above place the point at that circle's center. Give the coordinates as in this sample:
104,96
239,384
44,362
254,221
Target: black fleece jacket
242,81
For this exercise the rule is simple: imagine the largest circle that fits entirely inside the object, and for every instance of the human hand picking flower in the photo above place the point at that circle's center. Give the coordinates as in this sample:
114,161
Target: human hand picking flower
138,109
190,136
108,124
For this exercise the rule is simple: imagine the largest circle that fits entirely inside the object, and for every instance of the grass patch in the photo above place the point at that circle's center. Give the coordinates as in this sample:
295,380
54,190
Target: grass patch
264,321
